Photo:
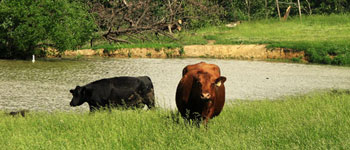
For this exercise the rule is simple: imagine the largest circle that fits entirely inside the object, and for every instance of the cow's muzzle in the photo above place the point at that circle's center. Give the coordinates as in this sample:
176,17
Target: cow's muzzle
72,104
205,96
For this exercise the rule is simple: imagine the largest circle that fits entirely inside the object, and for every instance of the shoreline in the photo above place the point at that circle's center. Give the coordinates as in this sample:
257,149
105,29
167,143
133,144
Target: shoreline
241,52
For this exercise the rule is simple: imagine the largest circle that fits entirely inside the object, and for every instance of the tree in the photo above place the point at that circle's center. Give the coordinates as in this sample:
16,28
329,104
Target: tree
27,25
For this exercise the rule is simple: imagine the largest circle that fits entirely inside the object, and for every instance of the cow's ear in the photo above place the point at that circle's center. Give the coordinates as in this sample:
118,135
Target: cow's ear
71,91
184,71
220,81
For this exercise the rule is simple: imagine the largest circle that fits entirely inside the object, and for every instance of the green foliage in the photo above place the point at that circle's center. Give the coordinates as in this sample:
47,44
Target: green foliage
330,6
182,51
202,13
314,121
259,9
27,25
297,59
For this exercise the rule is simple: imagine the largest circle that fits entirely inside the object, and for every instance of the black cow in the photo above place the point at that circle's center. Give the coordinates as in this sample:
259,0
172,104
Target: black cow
18,113
114,92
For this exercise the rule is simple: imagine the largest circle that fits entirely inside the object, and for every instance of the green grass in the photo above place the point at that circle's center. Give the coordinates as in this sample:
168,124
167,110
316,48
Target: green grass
314,121
332,28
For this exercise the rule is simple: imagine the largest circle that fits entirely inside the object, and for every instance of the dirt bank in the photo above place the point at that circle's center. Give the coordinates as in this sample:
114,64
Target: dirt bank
252,52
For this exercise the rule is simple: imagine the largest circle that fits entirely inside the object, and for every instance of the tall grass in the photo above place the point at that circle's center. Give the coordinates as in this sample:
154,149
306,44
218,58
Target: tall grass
314,121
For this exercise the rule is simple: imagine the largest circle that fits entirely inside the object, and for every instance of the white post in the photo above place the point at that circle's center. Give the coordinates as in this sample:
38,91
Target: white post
33,60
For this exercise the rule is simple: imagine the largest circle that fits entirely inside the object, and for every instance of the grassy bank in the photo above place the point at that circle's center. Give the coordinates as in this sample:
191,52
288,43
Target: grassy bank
323,38
314,121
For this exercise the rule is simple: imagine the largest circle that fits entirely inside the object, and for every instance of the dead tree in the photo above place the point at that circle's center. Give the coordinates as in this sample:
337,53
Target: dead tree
309,7
278,9
299,9
266,10
287,13
121,21
247,2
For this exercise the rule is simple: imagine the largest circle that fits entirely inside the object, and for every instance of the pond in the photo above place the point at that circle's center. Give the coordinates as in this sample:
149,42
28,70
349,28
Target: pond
45,84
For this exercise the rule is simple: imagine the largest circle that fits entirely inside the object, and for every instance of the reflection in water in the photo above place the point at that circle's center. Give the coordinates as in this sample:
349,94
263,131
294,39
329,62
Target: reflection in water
45,85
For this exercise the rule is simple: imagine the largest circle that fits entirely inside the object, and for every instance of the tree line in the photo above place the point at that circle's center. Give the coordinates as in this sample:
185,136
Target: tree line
29,25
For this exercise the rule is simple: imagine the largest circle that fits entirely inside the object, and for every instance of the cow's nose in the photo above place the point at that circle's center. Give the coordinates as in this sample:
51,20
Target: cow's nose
205,96
71,104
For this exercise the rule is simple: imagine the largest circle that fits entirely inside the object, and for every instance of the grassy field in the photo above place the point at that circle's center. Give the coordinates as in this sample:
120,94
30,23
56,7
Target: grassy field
323,38
313,121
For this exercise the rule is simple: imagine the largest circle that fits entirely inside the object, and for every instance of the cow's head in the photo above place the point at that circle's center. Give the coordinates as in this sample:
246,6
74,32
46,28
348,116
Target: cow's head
207,84
79,96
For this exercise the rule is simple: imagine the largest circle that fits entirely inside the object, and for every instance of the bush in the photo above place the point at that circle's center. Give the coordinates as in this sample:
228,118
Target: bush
28,25
343,59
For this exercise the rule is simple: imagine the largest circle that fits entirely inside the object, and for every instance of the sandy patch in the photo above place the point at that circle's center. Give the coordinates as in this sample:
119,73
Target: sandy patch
84,52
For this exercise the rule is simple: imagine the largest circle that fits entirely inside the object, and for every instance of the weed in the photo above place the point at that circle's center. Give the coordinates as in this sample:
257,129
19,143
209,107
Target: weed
181,51
157,49
149,54
297,59
169,53
129,53
78,56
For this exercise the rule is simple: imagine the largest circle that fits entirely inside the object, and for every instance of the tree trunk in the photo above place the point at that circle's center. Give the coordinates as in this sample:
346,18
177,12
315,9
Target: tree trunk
248,8
309,6
266,10
278,9
299,9
287,13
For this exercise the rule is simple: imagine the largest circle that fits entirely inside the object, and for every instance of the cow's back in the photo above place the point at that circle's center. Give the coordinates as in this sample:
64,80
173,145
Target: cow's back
114,89
212,68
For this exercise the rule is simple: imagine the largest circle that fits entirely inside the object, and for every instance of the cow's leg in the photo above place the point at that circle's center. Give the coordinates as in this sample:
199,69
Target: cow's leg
207,113
149,99
92,108
135,100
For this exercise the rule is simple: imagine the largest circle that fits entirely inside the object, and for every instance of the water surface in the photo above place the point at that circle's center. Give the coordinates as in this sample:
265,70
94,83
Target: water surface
45,84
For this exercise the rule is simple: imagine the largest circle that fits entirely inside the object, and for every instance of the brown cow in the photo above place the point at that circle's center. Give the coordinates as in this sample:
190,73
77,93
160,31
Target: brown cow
200,94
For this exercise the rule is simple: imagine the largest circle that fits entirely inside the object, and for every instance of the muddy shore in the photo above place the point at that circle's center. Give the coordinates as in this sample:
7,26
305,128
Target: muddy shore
242,52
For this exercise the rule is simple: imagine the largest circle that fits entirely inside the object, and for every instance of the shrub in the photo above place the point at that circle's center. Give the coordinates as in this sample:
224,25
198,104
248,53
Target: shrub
29,25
